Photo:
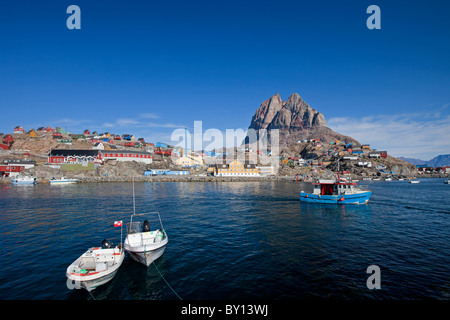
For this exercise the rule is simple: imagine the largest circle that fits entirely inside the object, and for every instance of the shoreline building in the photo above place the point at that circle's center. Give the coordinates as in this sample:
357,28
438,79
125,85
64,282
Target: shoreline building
14,167
128,155
235,169
60,156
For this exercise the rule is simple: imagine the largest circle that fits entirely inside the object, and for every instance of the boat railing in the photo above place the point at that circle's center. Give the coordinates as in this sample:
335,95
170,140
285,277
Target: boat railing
363,187
143,214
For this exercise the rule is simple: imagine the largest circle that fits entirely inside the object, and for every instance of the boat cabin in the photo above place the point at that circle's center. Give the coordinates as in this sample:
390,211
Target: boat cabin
332,187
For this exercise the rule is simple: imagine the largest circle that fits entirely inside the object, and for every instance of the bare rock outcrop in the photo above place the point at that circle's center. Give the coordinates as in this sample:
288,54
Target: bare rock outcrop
294,119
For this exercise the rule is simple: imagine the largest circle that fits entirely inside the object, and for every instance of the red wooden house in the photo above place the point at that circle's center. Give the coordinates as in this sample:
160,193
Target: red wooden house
7,139
8,170
19,129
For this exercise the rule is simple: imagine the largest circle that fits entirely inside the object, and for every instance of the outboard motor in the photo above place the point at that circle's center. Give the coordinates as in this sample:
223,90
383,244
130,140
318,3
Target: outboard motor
106,244
146,226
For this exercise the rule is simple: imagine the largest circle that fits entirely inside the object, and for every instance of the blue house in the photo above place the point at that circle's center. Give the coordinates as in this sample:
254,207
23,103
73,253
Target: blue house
161,145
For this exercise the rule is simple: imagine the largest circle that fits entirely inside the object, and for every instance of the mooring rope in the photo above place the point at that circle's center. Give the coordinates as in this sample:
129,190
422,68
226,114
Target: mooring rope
91,294
153,263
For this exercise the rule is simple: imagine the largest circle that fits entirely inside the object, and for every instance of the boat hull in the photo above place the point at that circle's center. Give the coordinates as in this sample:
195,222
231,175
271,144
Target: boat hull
62,182
23,182
90,285
147,257
354,198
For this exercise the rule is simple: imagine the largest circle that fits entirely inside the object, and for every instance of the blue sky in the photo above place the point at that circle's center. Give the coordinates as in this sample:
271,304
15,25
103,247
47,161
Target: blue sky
149,67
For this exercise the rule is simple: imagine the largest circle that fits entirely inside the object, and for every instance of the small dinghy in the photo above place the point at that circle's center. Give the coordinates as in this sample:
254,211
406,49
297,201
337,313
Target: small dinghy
97,265
63,180
144,245
24,180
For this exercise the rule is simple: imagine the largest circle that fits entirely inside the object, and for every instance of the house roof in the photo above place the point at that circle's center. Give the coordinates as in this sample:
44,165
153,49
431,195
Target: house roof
128,151
245,164
73,152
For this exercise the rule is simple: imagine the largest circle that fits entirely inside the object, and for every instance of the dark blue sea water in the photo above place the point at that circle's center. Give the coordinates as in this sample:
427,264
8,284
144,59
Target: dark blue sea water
231,240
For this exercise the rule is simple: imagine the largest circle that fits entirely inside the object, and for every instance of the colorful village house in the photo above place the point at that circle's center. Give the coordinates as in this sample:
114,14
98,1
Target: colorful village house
19,129
58,156
128,137
7,139
12,168
60,130
57,135
31,133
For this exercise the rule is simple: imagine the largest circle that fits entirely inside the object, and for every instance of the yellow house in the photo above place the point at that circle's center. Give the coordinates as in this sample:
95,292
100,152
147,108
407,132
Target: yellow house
236,168
32,133
189,161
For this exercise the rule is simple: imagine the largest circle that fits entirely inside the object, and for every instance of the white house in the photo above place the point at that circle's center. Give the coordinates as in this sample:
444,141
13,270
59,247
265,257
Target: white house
98,146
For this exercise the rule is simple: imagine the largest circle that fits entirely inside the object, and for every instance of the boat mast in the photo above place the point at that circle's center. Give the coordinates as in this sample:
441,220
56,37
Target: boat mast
134,202
338,169
134,205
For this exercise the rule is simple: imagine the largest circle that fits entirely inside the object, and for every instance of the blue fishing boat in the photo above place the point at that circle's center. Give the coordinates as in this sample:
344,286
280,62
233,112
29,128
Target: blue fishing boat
336,192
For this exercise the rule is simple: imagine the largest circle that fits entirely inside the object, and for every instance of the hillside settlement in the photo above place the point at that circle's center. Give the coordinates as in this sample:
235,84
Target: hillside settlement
91,156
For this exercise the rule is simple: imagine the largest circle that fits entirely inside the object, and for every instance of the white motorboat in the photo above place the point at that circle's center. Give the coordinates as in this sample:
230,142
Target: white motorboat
144,245
63,180
96,266
414,181
24,180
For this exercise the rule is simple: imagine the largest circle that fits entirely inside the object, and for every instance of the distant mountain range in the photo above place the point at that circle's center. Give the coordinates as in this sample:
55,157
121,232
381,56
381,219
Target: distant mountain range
439,161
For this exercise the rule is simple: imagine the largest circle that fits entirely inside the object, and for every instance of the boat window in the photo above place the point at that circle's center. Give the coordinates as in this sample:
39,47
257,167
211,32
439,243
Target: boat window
135,227
326,189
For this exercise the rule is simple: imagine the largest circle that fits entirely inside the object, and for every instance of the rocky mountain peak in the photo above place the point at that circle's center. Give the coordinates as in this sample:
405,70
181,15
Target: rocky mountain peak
294,112
294,119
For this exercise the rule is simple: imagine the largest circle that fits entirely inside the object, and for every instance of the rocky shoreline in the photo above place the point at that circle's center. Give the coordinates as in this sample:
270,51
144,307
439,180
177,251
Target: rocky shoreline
193,178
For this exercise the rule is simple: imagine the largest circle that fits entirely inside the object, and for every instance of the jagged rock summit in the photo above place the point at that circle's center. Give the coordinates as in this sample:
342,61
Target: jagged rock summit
293,113
295,120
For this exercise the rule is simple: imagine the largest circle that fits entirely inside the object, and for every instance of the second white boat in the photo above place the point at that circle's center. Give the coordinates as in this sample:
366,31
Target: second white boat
63,180
144,245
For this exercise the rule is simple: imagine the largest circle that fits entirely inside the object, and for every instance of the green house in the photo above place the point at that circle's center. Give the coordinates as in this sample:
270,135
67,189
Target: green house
60,130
